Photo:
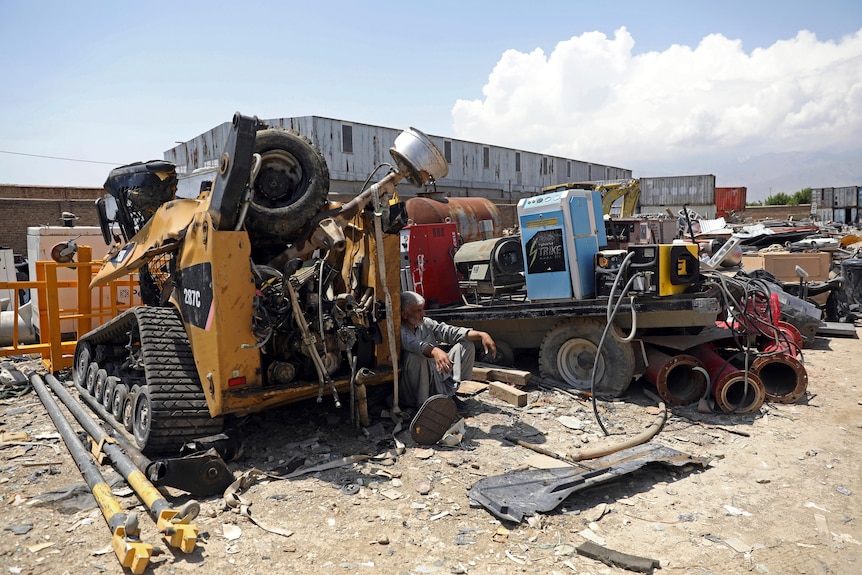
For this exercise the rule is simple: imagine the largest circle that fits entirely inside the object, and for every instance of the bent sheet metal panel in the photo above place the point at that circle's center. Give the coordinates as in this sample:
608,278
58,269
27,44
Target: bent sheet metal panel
514,495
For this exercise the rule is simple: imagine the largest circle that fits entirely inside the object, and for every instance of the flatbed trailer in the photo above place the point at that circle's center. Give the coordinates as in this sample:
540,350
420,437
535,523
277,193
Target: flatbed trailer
568,333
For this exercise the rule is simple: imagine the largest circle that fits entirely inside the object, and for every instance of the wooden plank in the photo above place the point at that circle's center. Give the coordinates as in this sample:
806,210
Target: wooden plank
481,373
485,372
508,393
470,388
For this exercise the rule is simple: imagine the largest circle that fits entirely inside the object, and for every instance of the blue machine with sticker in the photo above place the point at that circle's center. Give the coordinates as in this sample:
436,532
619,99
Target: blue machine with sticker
560,237
585,226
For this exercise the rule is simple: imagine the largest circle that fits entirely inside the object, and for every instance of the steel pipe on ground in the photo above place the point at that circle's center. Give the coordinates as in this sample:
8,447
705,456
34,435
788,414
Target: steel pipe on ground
785,339
784,377
675,377
125,542
734,390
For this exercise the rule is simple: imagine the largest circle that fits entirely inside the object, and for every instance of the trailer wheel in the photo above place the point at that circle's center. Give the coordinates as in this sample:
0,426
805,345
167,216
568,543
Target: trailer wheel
291,186
568,353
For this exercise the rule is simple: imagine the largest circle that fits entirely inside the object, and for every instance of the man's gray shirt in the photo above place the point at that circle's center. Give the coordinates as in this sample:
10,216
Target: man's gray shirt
429,334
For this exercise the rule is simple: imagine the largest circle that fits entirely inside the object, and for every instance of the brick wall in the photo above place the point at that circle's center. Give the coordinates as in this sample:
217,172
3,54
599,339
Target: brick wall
25,206
758,213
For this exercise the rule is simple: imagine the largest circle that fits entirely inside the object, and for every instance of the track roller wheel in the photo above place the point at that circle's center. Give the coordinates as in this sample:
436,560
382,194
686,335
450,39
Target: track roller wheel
83,355
92,372
128,419
110,386
118,401
99,385
142,416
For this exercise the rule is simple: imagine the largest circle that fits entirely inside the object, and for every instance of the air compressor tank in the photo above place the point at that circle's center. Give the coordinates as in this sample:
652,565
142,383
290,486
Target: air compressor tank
466,213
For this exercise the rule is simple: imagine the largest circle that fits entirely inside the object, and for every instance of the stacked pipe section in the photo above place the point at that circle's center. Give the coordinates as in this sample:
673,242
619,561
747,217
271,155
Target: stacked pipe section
735,390
680,379
779,361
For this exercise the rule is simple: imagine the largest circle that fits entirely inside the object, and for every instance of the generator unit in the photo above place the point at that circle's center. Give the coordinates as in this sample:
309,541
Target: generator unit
667,269
607,265
427,265
561,232
490,266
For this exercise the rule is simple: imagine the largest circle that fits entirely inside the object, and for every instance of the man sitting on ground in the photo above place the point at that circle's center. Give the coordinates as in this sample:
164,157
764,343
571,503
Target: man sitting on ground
426,369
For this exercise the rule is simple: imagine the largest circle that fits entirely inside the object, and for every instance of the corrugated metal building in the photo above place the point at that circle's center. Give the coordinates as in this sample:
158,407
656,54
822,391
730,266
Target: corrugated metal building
697,193
352,151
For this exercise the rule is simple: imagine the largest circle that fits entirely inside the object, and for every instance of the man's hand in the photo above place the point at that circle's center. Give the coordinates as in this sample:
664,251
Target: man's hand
487,341
441,360
488,344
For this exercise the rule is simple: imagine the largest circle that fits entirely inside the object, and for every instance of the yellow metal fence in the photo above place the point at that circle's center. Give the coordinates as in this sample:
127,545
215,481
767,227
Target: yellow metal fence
68,308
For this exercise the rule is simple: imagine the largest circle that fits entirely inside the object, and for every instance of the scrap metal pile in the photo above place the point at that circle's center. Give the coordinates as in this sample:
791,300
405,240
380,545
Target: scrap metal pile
752,355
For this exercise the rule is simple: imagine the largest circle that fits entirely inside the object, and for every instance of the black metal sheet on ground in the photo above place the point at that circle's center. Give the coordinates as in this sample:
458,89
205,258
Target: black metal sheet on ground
837,329
513,496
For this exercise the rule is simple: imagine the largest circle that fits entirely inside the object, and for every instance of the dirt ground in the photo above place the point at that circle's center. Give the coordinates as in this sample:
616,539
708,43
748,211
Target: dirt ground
781,492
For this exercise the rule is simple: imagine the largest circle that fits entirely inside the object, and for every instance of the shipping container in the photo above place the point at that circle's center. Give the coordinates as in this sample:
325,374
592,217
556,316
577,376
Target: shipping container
838,215
823,215
822,197
730,200
845,197
678,190
859,196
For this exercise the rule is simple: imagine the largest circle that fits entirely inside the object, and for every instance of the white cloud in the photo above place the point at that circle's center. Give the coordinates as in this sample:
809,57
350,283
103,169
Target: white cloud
593,99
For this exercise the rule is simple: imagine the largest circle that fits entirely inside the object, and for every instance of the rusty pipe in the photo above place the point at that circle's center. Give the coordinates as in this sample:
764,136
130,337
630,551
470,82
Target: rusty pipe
785,339
676,378
465,212
734,390
784,377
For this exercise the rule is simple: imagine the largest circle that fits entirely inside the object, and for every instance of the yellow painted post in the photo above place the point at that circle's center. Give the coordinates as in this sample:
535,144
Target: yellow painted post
85,298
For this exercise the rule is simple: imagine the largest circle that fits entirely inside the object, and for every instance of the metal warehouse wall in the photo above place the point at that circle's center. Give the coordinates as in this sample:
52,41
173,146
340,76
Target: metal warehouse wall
468,176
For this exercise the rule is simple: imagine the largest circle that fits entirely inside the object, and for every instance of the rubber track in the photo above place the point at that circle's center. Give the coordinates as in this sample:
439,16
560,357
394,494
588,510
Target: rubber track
178,409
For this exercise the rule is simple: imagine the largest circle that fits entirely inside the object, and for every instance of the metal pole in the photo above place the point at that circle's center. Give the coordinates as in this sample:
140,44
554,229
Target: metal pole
174,524
128,548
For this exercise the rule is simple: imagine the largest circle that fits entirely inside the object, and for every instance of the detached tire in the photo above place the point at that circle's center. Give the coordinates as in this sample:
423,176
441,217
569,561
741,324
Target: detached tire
568,353
291,187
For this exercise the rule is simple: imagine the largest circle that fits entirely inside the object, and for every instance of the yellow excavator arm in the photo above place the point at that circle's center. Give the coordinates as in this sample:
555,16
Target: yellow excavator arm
629,191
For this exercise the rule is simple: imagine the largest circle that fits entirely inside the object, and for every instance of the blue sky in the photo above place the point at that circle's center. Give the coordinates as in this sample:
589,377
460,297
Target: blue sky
664,88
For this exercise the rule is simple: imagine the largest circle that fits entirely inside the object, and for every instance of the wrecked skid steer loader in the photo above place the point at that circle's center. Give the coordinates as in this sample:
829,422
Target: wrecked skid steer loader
256,294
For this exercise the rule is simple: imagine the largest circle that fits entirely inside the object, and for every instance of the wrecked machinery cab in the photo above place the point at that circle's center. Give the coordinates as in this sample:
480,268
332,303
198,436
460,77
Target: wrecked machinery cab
134,193
257,293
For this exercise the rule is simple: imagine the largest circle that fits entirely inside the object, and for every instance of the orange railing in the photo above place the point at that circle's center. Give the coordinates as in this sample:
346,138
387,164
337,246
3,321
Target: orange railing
59,327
